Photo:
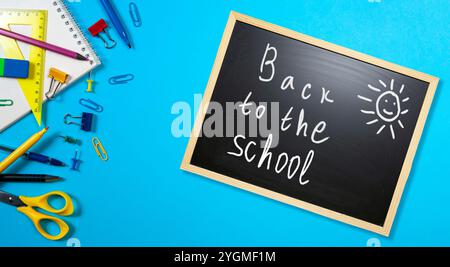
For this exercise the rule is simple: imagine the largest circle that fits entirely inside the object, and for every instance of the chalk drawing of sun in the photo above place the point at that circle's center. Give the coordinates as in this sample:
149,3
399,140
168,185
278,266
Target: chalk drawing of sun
388,107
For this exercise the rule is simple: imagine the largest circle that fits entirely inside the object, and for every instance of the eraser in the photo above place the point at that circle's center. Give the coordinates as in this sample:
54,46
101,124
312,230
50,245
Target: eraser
14,68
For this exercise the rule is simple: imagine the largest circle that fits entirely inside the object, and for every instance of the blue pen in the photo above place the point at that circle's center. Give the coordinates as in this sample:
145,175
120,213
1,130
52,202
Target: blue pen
35,157
113,16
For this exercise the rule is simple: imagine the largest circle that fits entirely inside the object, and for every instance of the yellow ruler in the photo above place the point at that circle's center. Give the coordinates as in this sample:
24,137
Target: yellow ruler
32,87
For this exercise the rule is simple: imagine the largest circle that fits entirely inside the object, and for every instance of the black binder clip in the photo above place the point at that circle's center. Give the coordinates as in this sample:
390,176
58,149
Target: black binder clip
86,121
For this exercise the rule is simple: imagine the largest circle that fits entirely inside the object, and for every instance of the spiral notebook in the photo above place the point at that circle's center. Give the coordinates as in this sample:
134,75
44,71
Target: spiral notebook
62,30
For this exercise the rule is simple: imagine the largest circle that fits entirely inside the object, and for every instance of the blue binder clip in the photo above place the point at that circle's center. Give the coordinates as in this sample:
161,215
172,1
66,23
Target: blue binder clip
86,121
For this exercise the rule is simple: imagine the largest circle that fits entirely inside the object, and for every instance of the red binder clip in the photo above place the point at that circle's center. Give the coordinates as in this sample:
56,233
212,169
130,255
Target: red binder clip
100,27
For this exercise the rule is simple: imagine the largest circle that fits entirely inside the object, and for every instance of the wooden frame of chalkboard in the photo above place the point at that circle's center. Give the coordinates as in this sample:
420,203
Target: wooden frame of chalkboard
383,229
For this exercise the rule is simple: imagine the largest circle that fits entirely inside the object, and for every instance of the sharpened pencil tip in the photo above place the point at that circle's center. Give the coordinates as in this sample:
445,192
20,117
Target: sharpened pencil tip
54,179
81,57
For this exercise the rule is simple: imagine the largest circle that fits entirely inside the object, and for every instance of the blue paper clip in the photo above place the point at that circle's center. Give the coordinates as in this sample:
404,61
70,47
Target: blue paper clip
86,121
135,15
87,103
121,79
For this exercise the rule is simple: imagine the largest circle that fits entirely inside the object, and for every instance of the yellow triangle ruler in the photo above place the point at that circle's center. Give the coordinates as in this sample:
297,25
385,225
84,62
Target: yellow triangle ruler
32,87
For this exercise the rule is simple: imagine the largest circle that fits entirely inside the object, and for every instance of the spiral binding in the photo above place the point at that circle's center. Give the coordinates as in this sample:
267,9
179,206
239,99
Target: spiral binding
74,28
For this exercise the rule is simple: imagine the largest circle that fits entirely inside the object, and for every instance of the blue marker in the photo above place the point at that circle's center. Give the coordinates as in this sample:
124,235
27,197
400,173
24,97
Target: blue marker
116,21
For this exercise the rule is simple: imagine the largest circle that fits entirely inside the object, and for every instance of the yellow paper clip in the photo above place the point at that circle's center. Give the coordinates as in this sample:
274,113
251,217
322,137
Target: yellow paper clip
59,78
89,81
99,149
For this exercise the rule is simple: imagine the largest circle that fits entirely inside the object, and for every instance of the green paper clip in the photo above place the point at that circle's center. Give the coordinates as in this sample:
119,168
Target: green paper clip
6,102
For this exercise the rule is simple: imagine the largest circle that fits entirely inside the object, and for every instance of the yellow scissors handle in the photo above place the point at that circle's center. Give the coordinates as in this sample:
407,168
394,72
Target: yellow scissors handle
37,218
42,203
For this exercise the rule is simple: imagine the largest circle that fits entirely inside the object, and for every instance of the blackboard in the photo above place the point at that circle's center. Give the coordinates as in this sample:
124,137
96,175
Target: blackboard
309,123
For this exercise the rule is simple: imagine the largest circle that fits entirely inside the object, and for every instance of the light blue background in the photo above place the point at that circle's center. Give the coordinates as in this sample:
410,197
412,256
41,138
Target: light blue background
141,198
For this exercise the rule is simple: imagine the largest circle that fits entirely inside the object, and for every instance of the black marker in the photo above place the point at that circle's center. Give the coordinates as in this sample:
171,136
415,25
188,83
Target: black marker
29,178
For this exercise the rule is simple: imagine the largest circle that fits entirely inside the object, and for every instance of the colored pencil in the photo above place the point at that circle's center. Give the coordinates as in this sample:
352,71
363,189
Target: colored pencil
43,45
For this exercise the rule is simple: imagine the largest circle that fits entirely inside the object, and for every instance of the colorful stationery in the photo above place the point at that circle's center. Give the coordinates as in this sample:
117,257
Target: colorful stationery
27,92
62,30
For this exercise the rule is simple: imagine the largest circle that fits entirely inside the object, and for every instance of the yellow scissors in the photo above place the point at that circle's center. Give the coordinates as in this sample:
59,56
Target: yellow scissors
26,205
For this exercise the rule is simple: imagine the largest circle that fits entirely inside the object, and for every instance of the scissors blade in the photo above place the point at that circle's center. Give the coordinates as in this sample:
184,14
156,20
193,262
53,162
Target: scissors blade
11,199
